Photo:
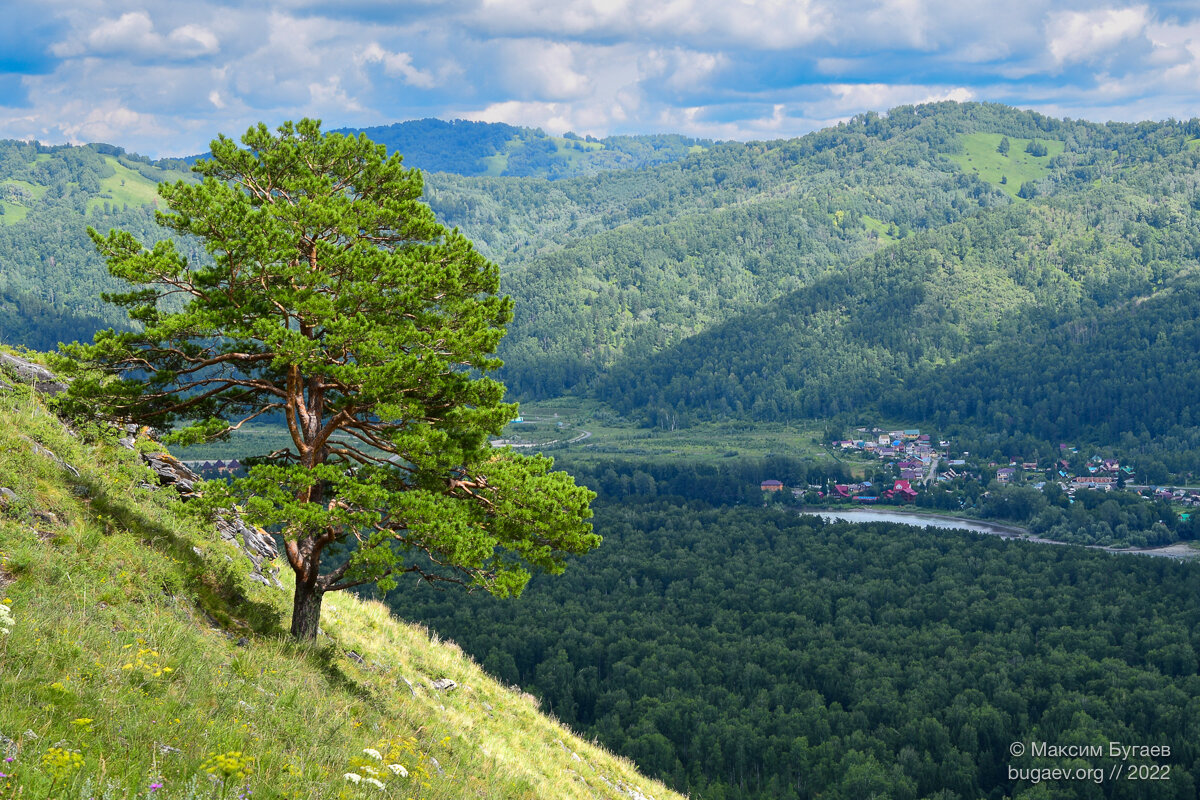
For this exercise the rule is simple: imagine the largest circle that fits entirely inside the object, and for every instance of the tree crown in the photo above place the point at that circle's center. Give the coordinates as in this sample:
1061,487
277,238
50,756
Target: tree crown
330,296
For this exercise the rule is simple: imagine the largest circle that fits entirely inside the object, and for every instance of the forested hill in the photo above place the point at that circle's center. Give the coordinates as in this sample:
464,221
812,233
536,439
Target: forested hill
493,148
765,280
1114,220
635,263
50,275
1124,375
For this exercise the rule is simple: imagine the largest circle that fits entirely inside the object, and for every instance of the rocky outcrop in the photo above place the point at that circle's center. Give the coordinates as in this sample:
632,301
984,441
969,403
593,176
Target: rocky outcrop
171,472
35,375
257,544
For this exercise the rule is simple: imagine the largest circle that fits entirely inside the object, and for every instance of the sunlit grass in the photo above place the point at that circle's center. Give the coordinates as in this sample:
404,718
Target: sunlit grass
980,157
140,661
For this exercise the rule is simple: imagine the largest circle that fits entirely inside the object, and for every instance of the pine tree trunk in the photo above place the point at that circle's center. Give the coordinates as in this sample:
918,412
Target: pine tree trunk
306,611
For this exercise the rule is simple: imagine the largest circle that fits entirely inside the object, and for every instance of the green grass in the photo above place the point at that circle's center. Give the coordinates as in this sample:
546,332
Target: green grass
980,157
128,612
125,187
15,212
37,190
880,227
610,436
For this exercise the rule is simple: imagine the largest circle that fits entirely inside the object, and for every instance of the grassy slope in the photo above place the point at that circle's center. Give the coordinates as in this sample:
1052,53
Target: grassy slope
125,187
15,212
116,652
980,157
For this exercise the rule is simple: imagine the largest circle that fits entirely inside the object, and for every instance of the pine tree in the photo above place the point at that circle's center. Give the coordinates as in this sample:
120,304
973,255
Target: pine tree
336,300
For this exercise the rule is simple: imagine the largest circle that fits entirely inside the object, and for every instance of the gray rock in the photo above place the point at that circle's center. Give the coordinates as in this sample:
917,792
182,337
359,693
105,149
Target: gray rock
171,472
42,379
355,657
257,544
47,453
436,766
444,684
127,442
7,496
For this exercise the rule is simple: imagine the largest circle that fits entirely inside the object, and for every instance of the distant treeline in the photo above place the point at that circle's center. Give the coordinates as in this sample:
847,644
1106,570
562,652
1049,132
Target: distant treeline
736,480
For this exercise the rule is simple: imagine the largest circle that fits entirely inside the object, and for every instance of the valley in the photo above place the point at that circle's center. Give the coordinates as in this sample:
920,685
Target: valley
958,314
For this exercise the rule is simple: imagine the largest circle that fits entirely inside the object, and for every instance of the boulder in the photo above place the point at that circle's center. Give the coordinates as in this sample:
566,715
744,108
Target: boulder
171,472
42,379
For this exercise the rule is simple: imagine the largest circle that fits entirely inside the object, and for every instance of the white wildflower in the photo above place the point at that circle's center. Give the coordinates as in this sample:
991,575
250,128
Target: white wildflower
369,771
373,754
6,620
398,769
373,782
353,777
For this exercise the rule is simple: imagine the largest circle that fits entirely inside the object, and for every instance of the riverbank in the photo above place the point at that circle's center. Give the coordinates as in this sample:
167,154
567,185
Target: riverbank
1177,550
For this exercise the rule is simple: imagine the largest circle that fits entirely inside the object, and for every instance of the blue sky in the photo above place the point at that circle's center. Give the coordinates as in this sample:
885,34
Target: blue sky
163,79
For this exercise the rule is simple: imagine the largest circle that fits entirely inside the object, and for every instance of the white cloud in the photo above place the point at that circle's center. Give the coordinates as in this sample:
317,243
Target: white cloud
554,118
399,65
542,70
134,35
768,24
1081,35
680,69
853,98
194,39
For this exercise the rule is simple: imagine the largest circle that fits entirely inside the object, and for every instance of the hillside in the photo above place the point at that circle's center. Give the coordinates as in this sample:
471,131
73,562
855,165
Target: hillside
1121,375
51,278
495,149
137,659
979,287
762,280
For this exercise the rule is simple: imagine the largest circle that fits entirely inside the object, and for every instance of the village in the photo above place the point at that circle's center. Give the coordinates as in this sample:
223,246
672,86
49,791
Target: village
904,463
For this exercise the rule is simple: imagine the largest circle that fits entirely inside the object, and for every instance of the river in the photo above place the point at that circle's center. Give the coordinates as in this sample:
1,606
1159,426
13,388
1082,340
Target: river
1179,550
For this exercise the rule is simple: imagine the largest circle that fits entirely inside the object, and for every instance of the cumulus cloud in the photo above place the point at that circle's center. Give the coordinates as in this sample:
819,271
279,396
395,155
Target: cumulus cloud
543,70
398,65
1081,35
134,35
769,24
163,79
850,98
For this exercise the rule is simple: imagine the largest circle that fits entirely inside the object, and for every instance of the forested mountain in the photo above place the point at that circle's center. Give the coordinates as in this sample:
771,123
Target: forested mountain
493,148
743,653
765,280
1116,221
51,277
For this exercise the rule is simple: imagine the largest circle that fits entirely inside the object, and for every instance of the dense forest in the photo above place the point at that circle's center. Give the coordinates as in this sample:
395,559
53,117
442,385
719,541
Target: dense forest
493,148
51,278
752,653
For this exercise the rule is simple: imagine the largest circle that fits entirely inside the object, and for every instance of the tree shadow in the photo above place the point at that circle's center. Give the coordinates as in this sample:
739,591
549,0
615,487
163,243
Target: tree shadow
219,588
